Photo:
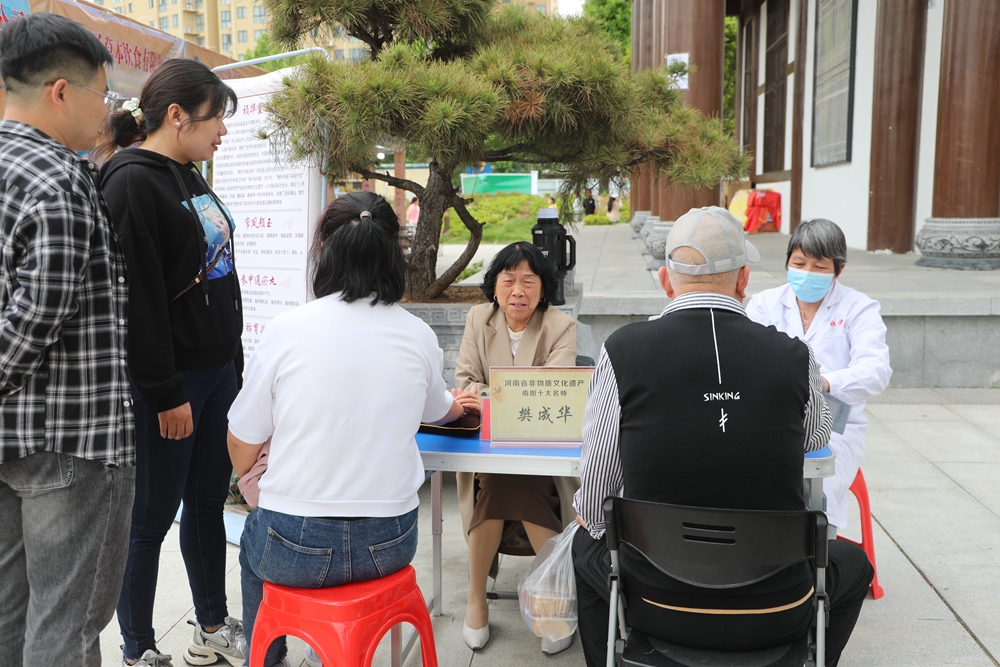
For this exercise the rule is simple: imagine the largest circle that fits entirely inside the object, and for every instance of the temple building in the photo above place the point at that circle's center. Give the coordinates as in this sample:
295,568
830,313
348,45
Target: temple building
881,115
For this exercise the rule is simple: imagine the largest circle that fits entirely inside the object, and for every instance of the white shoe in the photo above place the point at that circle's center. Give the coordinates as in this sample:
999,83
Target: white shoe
151,658
553,646
311,658
228,643
475,639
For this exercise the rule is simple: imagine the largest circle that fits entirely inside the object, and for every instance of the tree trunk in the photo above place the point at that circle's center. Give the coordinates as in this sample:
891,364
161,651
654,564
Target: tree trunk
439,195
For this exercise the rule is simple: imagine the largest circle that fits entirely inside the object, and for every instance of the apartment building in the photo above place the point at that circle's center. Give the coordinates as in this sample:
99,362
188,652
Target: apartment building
232,27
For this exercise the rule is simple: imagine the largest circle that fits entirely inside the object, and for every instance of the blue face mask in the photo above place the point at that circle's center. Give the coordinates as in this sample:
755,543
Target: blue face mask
808,286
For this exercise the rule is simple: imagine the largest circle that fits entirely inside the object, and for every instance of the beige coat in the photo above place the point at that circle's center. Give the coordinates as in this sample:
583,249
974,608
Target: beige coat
615,214
549,340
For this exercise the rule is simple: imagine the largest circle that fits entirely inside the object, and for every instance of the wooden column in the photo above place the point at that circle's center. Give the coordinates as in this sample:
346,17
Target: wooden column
641,20
798,112
655,60
751,91
899,64
695,27
738,88
964,228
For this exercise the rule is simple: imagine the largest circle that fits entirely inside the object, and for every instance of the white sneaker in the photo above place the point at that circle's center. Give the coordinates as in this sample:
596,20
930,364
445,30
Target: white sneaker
227,642
552,646
151,658
311,658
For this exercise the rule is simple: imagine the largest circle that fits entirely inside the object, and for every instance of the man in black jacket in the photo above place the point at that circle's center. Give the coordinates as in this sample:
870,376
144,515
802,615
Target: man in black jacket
589,204
703,407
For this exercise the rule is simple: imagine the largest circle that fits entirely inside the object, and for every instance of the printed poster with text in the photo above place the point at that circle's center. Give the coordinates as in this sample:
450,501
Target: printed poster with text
539,405
274,205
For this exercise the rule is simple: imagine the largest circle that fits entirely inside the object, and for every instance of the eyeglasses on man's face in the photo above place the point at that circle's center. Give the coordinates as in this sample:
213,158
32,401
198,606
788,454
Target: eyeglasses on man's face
110,98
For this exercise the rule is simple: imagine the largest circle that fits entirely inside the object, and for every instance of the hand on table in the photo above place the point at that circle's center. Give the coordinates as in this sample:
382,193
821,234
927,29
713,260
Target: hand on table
469,399
176,423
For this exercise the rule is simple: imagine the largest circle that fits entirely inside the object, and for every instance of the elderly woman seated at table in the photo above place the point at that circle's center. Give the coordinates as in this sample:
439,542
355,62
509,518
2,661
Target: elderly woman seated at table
513,513
338,502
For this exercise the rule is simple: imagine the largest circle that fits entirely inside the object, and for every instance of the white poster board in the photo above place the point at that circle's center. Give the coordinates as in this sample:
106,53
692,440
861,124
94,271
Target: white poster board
275,206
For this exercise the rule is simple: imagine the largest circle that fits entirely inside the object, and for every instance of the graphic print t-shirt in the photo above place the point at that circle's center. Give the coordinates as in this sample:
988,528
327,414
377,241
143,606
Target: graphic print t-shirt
218,226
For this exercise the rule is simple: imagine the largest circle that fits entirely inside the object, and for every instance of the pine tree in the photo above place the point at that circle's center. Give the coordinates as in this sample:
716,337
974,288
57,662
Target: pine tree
459,82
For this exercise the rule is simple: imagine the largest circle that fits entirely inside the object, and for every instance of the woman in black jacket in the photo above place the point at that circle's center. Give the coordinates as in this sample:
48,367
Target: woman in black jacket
184,351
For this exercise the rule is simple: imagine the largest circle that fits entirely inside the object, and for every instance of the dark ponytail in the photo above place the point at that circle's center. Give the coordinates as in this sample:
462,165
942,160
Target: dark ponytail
357,250
187,83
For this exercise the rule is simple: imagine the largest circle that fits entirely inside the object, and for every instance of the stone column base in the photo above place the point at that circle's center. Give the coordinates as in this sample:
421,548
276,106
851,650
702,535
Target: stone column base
960,243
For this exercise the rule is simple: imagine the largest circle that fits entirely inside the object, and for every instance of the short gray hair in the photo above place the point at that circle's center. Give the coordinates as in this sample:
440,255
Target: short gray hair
819,238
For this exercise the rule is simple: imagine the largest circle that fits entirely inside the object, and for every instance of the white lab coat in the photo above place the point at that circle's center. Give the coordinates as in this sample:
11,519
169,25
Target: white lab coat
847,337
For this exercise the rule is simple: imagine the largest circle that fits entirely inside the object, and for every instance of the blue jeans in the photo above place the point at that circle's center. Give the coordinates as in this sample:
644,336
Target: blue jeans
196,469
63,539
318,552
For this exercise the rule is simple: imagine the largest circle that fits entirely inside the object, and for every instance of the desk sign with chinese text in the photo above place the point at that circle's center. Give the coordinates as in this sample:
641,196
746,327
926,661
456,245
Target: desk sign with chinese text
538,405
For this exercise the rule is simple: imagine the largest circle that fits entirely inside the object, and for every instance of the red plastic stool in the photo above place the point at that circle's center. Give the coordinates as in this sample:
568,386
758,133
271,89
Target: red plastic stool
344,623
860,491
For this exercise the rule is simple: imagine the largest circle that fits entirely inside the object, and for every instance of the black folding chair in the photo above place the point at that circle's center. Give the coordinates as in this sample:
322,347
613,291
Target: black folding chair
714,549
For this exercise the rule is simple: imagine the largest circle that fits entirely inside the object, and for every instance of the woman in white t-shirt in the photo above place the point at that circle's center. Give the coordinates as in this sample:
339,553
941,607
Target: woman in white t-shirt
338,503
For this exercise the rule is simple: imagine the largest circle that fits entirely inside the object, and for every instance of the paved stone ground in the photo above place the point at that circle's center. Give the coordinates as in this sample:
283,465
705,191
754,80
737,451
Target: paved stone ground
931,469
932,464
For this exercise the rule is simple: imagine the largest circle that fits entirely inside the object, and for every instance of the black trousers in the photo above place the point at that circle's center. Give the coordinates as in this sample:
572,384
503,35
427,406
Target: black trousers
847,579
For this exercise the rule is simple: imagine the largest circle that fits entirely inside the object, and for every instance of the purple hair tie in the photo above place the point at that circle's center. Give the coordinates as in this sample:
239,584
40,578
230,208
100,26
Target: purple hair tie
365,214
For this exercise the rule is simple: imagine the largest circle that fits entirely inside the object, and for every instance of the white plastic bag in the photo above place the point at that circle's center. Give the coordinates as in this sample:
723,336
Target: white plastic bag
547,593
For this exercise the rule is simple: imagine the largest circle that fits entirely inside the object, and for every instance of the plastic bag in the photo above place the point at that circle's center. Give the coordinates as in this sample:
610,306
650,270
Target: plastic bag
547,594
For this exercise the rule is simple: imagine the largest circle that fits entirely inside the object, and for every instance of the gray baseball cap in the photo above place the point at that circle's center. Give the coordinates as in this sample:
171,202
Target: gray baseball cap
717,235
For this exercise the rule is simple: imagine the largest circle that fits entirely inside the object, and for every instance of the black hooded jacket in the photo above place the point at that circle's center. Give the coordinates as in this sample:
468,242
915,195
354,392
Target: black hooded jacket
165,244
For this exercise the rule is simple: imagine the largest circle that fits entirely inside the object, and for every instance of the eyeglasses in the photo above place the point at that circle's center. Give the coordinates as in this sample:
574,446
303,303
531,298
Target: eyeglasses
110,99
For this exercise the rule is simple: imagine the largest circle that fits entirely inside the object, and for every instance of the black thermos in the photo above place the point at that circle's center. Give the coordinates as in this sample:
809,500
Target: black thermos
551,238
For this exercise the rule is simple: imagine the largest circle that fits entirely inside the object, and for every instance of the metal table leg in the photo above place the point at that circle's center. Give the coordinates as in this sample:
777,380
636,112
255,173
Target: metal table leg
436,537
812,491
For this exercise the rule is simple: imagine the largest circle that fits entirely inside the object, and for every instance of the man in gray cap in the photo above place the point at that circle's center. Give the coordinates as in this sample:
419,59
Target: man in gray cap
703,407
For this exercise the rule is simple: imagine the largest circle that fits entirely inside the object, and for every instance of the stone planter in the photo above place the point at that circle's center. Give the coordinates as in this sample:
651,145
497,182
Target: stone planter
647,227
660,231
657,240
657,244
960,243
638,219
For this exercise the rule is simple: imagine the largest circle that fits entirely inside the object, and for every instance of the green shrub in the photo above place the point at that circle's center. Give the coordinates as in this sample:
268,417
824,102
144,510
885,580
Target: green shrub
597,219
507,218
469,271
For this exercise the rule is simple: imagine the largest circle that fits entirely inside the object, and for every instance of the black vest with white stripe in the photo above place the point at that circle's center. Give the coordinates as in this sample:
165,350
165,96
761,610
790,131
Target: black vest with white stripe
711,410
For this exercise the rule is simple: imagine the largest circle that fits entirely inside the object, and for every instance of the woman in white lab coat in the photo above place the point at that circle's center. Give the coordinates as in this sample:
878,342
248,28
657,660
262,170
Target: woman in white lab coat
845,331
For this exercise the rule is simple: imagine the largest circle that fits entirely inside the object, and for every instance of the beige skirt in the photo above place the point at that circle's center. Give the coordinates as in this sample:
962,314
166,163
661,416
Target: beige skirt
516,498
